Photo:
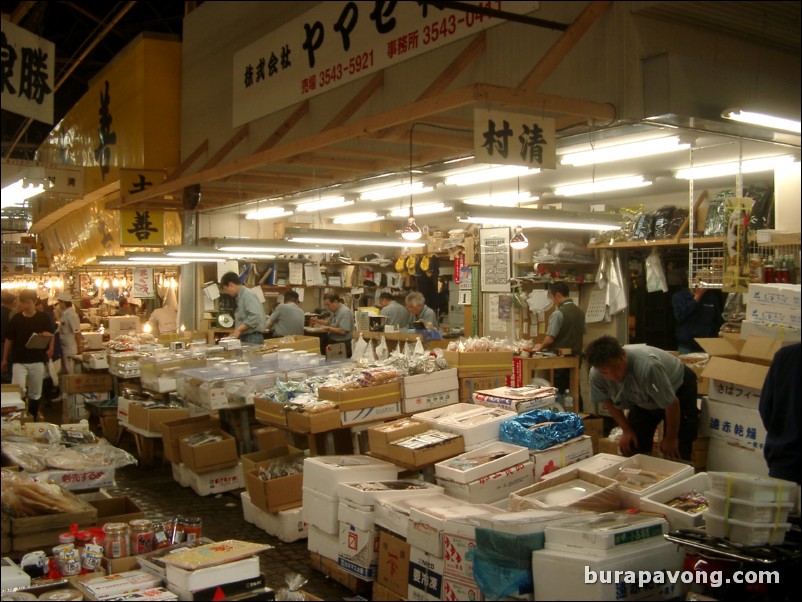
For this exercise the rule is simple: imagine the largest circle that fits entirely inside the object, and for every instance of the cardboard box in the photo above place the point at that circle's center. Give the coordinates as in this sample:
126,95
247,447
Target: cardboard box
85,383
482,363
364,397
382,593
425,578
608,446
269,437
258,459
593,427
515,454
380,437
210,457
276,494
321,422
728,456
268,411
39,532
774,314
175,430
783,295
460,589
359,551
732,423
754,349
429,402
471,384
610,493
493,487
426,456
428,391
296,342
734,382
116,510
115,566
559,456
393,568
151,419
372,414
770,331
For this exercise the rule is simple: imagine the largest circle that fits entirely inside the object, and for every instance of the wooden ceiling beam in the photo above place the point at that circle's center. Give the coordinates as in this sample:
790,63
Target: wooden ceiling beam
333,163
202,148
282,130
221,153
359,99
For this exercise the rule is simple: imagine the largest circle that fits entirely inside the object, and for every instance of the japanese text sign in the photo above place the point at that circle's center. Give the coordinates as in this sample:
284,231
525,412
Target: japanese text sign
27,67
143,283
514,139
336,43
137,180
141,228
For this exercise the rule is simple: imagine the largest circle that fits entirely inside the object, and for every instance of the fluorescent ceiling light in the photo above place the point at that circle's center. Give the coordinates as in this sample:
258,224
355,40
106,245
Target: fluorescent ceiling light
337,237
268,213
487,173
392,192
506,199
764,120
602,186
154,259
426,209
332,202
270,246
15,194
644,148
211,254
534,218
358,218
718,170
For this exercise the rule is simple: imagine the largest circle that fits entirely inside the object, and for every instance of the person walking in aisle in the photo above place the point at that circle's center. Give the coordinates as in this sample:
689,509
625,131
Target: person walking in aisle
416,305
566,329
8,301
69,331
339,326
396,314
288,318
654,386
29,364
698,315
249,317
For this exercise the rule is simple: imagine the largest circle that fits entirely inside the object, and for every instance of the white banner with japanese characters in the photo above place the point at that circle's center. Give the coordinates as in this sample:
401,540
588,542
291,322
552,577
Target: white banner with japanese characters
509,138
28,72
143,283
336,43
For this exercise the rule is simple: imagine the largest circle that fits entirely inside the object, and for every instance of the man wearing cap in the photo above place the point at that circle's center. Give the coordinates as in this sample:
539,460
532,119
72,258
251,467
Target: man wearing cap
287,319
69,330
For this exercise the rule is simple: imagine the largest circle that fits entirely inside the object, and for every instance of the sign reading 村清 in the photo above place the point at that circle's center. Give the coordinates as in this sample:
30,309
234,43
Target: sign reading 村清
28,73
508,138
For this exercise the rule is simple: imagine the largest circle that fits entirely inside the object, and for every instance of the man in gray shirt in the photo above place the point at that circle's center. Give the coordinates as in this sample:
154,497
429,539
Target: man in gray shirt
416,304
249,317
340,324
396,314
287,319
654,386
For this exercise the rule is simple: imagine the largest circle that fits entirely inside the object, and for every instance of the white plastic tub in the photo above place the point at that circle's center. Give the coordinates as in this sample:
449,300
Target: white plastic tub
751,487
747,511
748,534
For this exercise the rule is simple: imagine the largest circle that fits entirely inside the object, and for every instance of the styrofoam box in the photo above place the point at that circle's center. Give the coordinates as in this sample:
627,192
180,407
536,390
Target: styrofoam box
560,575
769,331
422,385
321,511
426,525
411,405
392,513
287,525
515,455
734,423
459,543
748,534
249,510
723,455
751,487
351,417
324,473
491,488
425,577
181,475
361,517
774,314
247,568
562,455
466,422
352,493
439,414
676,471
746,511
325,544
359,551
122,409
218,481
460,589
787,295
594,464
605,532
677,519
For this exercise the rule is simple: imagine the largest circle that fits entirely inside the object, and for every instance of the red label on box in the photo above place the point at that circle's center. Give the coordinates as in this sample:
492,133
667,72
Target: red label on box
516,379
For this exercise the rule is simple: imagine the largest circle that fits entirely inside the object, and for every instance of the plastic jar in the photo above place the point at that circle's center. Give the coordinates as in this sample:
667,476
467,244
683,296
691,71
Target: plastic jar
116,541
192,527
177,532
142,536
161,538
82,538
68,537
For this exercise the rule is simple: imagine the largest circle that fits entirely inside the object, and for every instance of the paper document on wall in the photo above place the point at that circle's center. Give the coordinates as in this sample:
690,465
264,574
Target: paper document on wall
296,273
300,292
597,307
257,290
312,274
229,265
211,292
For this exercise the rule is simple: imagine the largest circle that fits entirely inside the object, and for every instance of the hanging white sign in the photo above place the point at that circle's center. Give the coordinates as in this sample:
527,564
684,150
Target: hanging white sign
336,43
508,138
143,283
28,67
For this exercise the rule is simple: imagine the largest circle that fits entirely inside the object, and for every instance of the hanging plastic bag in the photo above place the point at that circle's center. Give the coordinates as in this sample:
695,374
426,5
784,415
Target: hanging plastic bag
418,352
655,276
369,355
382,353
292,592
52,369
359,348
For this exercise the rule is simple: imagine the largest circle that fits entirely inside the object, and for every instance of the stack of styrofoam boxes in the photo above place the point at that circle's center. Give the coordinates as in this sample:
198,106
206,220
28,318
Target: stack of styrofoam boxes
502,561
749,509
610,542
429,391
678,516
773,311
477,425
642,475
486,482
359,536
442,540
321,503
286,525
397,568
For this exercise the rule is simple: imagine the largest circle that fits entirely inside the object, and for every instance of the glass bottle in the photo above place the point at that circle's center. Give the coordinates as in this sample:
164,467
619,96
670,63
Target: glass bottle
192,527
568,401
116,543
780,271
768,270
178,534
142,536
160,537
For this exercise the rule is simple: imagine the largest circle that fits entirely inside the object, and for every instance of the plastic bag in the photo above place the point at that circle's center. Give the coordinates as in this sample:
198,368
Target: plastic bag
717,215
369,355
662,219
500,564
295,582
655,276
418,352
541,429
762,214
359,347
644,228
52,370
382,352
